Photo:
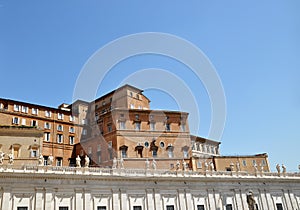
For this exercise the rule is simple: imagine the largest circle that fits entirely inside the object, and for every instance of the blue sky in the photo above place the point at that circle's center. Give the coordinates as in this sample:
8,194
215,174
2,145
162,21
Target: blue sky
254,46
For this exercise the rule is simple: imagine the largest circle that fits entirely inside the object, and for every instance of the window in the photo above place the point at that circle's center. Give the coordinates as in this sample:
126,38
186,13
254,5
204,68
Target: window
122,125
146,144
71,139
45,160
109,128
124,152
154,153
59,162
47,125
131,106
137,126
279,206
23,121
24,109
60,138
152,126
168,127
17,108
263,162
244,163
34,123
162,144
34,153
228,206
63,208
254,162
101,207
182,127
15,120
84,132
185,153
170,207
59,127
200,207
199,164
47,113
22,208
47,136
212,150
83,121
137,208
72,118
170,152
34,111
60,116
71,130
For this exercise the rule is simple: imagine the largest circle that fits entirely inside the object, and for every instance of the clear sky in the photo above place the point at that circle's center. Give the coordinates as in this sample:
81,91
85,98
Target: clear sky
254,46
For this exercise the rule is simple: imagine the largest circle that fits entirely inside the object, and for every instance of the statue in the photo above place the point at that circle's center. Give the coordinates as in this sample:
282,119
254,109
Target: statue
231,166
283,168
147,164
255,167
78,160
154,164
41,160
87,161
278,168
238,168
11,158
50,160
177,165
2,154
183,165
121,163
251,202
261,167
115,162
206,166
212,167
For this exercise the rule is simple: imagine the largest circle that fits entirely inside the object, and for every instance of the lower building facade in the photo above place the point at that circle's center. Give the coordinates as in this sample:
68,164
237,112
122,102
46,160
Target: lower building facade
67,188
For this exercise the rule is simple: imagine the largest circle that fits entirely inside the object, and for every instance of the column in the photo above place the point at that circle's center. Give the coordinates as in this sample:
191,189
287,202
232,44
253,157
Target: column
287,200
116,199
124,200
7,199
181,198
270,201
188,200
79,199
88,200
238,198
211,199
150,199
39,199
262,196
158,201
49,199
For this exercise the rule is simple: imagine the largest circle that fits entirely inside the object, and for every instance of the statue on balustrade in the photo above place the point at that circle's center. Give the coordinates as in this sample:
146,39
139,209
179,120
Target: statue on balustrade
11,158
154,164
78,160
2,154
41,160
87,161
115,162
50,160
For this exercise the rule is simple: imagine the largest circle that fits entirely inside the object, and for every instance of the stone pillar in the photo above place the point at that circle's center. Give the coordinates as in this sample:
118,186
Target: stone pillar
211,199
150,199
79,199
116,199
181,199
238,199
158,200
87,200
287,199
264,202
39,198
270,201
7,199
124,200
49,199
188,200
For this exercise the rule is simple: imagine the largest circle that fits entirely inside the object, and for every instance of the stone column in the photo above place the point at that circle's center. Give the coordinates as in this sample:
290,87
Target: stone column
7,199
238,199
79,194
124,200
49,199
181,199
158,200
287,199
188,200
39,198
87,200
211,199
150,199
116,199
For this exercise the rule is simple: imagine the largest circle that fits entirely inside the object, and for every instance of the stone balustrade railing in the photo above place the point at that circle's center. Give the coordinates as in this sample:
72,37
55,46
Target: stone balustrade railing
127,172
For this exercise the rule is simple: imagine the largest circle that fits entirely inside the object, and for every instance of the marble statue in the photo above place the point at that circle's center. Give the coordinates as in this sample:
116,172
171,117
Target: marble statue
41,160
78,160
2,154
206,166
115,162
177,165
278,168
154,164
283,168
121,163
87,161
11,158
212,167
147,164
50,160
184,165
251,201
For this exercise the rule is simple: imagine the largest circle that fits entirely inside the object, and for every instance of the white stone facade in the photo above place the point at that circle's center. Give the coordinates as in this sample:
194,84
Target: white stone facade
61,188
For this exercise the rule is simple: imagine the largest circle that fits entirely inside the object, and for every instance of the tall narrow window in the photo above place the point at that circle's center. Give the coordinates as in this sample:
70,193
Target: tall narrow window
59,127
279,206
152,126
24,109
71,129
23,121
124,151
137,126
60,138
17,108
71,139
34,123
109,128
47,125
170,151
47,136
34,111
182,127
15,120
168,127
71,118
47,113
59,161
60,116
122,125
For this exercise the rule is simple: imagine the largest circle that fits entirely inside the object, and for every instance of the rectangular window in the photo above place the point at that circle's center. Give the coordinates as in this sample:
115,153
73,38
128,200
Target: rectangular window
199,164
137,208
17,108
254,162
24,109
185,153
15,120
71,139
109,128
263,162
182,127
228,206
45,160
47,125
279,206
122,125
137,126
244,163
34,123
168,127
170,207
101,207
63,208
152,126
60,138
71,130
154,153
34,153
34,111
59,161
170,152
47,136
59,127
83,122
22,208
200,207
60,116
23,121
48,113
124,153
72,118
